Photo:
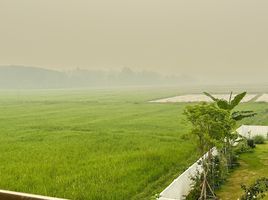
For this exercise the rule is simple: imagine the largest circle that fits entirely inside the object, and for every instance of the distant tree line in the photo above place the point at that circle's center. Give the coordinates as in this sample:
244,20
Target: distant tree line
33,77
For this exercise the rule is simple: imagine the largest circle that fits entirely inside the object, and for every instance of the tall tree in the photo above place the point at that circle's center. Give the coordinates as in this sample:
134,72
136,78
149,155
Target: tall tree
211,125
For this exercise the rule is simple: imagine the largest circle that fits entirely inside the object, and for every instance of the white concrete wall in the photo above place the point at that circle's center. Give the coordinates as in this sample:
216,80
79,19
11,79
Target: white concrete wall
182,185
251,131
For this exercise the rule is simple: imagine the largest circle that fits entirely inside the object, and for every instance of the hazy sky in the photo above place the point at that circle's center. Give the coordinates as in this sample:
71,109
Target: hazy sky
172,36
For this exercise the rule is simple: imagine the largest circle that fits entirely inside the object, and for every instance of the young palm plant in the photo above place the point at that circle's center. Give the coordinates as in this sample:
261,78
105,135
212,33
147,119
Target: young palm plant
230,104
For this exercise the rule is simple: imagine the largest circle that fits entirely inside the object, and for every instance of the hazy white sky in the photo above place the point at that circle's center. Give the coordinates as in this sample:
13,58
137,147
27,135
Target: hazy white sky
172,36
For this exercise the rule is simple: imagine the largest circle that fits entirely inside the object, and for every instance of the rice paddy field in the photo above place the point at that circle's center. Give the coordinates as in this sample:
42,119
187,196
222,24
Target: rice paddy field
101,144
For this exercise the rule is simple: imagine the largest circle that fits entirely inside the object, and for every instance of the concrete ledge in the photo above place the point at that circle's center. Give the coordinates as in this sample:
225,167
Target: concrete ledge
9,195
182,185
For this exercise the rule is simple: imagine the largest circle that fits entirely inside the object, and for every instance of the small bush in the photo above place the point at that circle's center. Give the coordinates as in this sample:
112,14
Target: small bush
256,191
259,139
216,176
251,143
242,147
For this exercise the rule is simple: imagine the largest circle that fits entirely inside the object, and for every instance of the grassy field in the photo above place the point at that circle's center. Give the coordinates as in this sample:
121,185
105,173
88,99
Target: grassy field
95,144
252,166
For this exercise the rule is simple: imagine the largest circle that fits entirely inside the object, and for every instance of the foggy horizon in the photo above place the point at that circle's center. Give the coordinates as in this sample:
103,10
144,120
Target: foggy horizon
213,42
133,99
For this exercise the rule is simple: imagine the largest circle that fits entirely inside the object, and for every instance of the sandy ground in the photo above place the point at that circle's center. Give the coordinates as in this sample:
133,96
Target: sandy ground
200,97
263,98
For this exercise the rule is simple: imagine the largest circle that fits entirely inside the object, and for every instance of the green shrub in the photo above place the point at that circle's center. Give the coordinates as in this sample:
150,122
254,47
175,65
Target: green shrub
216,176
196,189
255,191
259,139
242,147
251,143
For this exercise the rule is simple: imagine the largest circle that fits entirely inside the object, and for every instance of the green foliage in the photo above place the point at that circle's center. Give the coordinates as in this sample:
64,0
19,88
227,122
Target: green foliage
210,124
259,139
237,99
256,190
251,143
217,175
213,127
218,172
228,105
242,147
155,197
253,165
196,189
239,115
232,158
231,104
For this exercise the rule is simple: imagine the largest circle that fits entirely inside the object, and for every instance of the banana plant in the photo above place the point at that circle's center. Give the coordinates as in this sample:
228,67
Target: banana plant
230,104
